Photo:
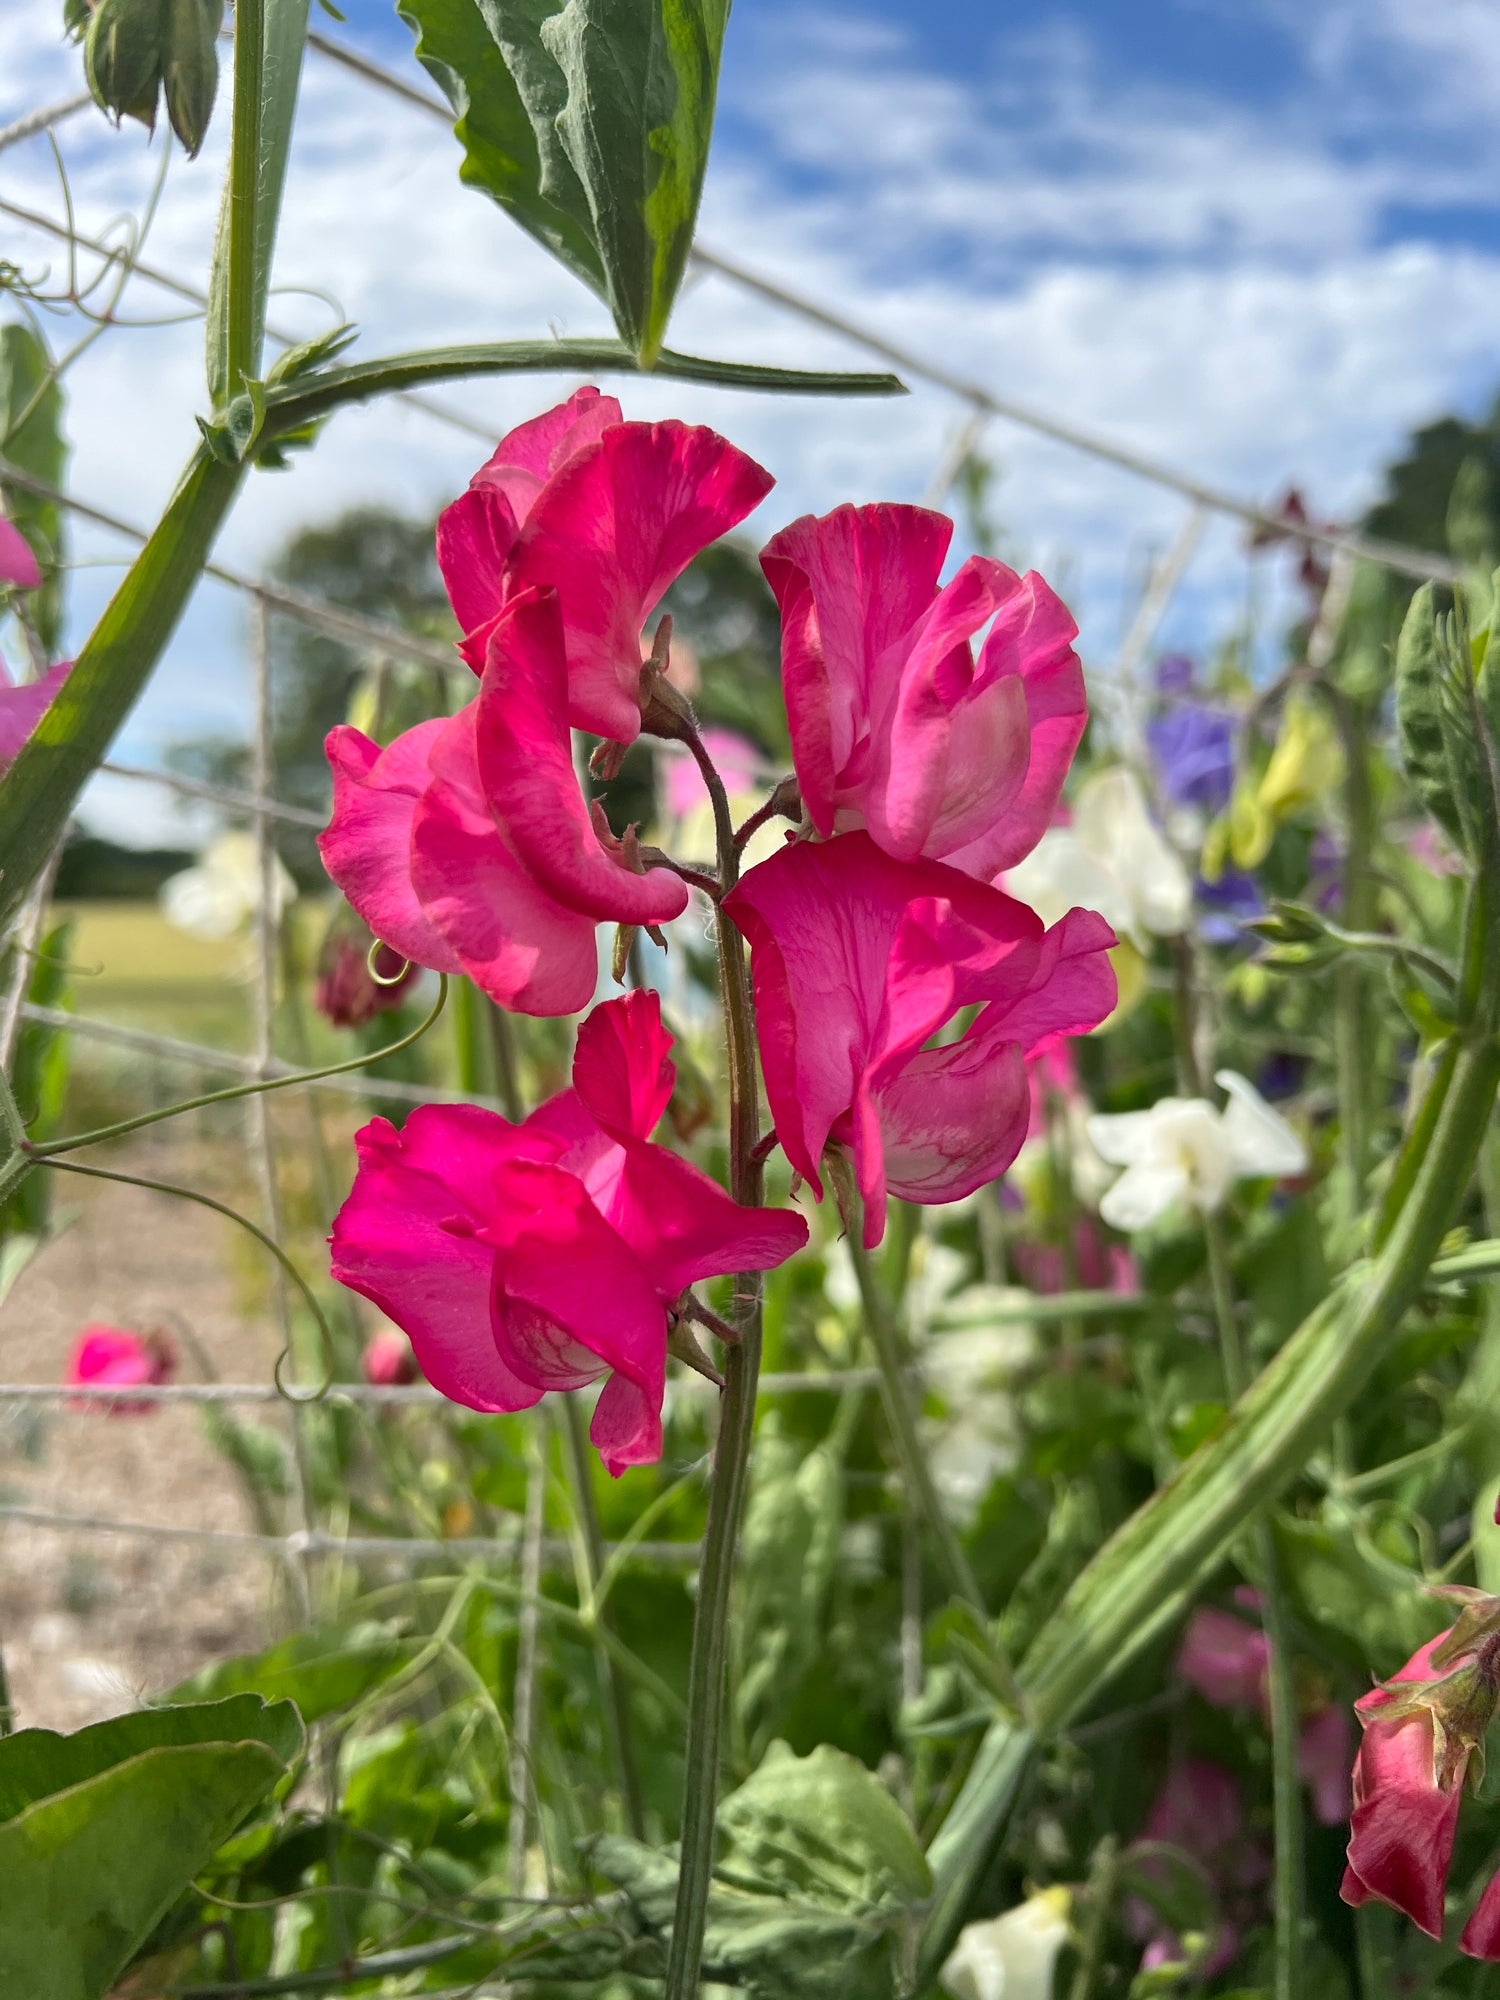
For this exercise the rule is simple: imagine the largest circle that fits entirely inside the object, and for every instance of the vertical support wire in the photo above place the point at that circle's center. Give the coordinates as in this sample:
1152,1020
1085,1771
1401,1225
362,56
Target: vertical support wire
1122,686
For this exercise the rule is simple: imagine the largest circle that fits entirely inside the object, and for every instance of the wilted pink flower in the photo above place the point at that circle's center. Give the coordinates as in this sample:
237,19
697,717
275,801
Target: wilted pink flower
466,844
112,1357
606,513
18,566
522,1258
22,707
896,726
347,994
388,1360
857,961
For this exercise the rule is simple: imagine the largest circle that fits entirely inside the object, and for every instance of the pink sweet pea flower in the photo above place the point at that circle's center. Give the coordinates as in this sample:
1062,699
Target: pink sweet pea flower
857,961
1199,1810
523,1258
1225,1658
466,844
895,725
388,1361
22,707
1408,1787
18,566
606,513
112,1357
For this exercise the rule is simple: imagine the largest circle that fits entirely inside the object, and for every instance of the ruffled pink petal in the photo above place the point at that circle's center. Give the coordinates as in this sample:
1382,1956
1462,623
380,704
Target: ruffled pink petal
614,527
22,708
850,586
623,1072
1402,1827
475,536
18,565
1481,1936
564,1276
1070,990
526,767
1031,641
516,942
477,533
952,1119
366,846
683,1226
407,1239
953,750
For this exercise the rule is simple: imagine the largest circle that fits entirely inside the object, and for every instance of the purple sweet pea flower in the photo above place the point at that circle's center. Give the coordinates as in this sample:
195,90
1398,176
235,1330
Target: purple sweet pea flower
1225,905
1192,746
1174,674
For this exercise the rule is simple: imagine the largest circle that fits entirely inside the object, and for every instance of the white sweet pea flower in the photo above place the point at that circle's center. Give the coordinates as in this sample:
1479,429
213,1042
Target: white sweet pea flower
1010,1957
1186,1149
221,892
1111,859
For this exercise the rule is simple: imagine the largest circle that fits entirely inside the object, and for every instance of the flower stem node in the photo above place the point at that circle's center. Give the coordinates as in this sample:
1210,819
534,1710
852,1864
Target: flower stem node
682,1345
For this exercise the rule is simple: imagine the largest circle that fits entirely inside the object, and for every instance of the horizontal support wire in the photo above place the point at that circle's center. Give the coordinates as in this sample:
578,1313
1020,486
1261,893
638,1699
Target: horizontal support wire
314,1542
223,795
220,1060
381,1394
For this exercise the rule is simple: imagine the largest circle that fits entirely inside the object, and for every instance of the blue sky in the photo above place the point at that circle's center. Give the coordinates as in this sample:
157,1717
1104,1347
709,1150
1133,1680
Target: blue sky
1257,238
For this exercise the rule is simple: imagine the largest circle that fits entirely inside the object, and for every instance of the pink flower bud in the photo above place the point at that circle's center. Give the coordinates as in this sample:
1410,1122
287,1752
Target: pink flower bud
388,1361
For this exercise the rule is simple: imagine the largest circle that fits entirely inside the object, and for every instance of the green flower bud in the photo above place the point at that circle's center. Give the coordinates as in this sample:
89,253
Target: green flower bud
133,47
191,69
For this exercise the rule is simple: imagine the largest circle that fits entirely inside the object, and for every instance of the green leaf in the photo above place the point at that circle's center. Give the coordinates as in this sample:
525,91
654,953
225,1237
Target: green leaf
39,1079
590,122
824,1830
31,439
319,1671
788,1551
1371,1610
100,1832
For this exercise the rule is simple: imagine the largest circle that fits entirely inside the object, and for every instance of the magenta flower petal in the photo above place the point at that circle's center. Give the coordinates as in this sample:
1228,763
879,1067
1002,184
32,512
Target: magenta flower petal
1323,1764
857,960
850,587
18,566
684,1227
626,1426
526,766
477,533
622,1070
895,727
519,944
1481,1934
611,531
366,846
22,708
1404,1820
407,1238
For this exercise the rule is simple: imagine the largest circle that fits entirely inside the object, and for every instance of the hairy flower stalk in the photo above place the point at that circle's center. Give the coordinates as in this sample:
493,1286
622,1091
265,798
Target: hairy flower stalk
726,1503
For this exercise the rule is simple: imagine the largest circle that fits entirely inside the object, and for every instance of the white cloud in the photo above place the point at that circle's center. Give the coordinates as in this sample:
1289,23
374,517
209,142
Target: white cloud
1207,281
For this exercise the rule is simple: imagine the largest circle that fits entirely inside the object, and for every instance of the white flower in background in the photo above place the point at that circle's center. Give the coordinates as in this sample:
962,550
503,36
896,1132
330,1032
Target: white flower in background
1112,859
221,892
1011,1957
1186,1149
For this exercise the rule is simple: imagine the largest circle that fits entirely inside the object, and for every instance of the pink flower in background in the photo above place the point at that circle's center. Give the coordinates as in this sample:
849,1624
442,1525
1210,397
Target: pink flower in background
1199,1809
733,756
857,961
388,1361
346,993
466,844
606,513
111,1357
523,1258
18,566
1088,1262
1227,1658
896,726
22,707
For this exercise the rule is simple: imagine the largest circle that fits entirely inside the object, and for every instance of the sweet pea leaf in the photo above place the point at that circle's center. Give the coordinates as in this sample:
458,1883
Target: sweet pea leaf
319,1671
101,1831
788,1551
590,122
31,439
1371,1610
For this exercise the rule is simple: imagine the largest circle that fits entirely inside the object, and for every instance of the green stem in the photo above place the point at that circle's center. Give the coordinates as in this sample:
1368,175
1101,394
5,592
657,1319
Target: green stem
1104,1887
886,1341
726,1503
241,333
614,1687
69,1144
1285,1778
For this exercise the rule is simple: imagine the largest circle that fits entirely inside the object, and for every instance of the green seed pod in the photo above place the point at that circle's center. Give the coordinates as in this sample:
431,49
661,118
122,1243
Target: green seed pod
191,68
122,57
